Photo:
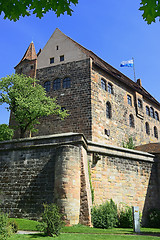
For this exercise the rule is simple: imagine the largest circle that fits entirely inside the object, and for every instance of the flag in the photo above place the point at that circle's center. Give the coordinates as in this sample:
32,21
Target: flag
128,63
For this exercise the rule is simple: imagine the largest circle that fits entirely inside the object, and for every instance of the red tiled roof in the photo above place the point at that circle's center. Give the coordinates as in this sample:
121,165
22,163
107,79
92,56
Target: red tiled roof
30,54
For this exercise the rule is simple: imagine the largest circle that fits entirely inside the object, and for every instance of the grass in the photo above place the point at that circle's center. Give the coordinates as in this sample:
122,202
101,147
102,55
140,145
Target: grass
80,232
25,224
78,236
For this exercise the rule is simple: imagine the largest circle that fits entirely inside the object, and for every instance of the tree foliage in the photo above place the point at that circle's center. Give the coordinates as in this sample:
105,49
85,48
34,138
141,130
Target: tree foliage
27,101
13,9
5,132
151,10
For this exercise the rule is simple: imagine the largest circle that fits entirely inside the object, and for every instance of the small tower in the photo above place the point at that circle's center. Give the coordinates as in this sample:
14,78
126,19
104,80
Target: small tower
28,63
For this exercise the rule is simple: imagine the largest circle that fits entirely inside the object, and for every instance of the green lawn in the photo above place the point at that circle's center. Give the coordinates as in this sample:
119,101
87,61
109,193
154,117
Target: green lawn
80,232
78,236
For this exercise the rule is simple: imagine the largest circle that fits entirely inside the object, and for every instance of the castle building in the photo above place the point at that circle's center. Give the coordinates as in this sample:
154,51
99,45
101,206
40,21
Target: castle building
103,104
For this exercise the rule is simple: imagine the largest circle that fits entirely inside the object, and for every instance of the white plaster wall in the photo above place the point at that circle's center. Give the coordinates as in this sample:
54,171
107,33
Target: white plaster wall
65,47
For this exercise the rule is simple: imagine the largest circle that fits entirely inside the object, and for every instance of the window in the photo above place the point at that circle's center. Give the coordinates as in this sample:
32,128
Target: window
131,121
103,84
147,110
110,88
62,58
47,86
51,60
31,67
155,132
66,82
139,103
57,84
57,47
129,100
156,116
147,128
108,110
151,112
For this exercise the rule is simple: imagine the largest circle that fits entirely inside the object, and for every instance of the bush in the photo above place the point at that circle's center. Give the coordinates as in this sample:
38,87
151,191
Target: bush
154,218
51,220
126,217
5,227
105,215
14,226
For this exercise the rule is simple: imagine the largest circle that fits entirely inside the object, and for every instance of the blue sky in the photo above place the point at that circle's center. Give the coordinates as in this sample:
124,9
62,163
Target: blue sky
114,30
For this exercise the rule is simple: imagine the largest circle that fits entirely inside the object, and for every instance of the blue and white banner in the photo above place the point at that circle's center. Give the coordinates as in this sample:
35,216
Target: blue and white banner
128,63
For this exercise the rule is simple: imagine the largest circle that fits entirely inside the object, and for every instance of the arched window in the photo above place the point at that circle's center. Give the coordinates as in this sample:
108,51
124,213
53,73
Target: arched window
155,132
131,120
110,88
66,82
57,84
151,112
47,86
103,84
156,116
108,110
147,128
147,110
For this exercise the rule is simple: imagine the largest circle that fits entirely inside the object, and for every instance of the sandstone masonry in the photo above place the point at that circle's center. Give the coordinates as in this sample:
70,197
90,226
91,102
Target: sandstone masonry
54,168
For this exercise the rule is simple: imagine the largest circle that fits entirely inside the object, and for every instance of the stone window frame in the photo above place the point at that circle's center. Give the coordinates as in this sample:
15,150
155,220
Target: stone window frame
155,132
139,103
66,82
147,128
156,115
61,58
103,84
56,84
129,99
152,112
147,111
51,60
108,110
47,86
110,87
131,121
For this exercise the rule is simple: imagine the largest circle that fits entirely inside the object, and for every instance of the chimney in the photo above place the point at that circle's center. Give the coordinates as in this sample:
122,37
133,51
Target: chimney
139,82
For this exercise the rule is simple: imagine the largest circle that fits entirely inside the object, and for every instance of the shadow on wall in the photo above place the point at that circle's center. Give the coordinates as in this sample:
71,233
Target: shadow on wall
28,182
152,195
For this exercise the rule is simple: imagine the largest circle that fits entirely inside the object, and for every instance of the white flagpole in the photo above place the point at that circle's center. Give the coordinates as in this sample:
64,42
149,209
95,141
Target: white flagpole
134,70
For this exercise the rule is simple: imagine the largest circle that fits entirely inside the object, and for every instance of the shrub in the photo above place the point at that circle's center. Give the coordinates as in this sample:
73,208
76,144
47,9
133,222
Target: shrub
51,220
5,227
125,217
14,226
129,144
154,218
105,215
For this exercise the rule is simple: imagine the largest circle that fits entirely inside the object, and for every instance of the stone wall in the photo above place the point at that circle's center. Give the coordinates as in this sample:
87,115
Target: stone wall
126,176
54,168
76,99
44,170
118,125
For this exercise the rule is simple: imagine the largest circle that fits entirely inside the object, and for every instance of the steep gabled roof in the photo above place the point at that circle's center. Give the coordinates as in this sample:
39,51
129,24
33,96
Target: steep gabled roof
30,54
114,72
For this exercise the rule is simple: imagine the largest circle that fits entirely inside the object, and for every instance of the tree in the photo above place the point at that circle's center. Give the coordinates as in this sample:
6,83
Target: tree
5,132
13,9
151,10
27,101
